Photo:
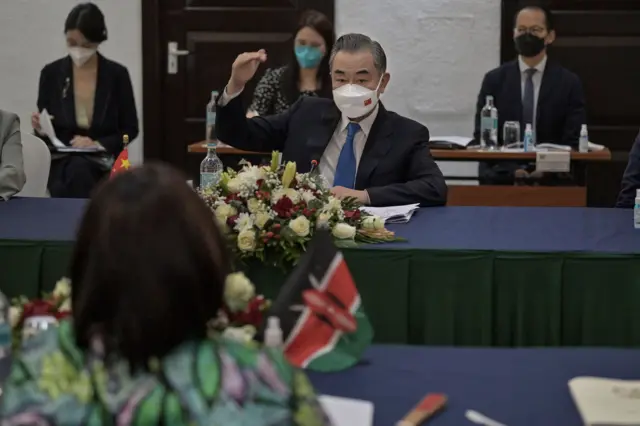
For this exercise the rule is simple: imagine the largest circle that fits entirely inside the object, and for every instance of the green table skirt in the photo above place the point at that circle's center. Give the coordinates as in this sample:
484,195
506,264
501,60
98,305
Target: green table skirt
463,298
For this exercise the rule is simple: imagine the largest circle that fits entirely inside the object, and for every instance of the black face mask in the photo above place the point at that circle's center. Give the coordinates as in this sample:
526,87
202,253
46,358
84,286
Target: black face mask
529,45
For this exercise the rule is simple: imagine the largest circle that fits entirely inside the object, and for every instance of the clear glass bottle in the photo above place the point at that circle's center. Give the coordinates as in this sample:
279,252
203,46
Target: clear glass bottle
528,138
489,125
211,118
211,167
583,143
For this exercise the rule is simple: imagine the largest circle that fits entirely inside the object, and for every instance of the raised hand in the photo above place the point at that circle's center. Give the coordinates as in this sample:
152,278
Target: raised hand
244,68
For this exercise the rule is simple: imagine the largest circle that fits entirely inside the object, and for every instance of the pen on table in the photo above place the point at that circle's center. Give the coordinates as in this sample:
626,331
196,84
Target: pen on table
481,419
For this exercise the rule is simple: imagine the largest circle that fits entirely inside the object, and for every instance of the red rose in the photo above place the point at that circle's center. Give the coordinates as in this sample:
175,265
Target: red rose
283,207
232,221
62,315
352,214
37,308
260,182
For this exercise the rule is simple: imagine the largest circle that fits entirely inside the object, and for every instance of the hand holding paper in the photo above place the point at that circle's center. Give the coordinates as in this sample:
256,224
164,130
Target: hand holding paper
46,127
79,143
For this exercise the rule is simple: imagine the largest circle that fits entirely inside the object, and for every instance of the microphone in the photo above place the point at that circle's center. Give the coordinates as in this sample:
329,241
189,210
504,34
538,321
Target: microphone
314,164
65,89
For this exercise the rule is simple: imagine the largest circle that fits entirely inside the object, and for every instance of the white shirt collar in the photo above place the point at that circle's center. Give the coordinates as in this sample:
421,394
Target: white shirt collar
540,67
365,125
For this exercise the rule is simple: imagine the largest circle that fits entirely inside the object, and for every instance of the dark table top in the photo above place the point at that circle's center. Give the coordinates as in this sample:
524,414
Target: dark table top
516,387
537,229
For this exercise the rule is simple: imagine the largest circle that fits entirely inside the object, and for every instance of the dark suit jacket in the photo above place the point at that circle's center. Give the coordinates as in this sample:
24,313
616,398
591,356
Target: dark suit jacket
631,178
114,113
560,111
396,166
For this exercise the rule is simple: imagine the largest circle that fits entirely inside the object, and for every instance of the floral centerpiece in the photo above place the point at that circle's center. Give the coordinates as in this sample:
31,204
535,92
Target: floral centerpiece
239,318
271,212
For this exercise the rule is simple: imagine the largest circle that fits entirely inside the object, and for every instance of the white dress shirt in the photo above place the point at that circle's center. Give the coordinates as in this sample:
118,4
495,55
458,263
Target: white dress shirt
329,159
537,81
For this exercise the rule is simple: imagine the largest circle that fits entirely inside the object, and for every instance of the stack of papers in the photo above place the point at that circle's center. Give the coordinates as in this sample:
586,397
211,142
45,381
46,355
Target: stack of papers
393,214
47,128
606,402
347,412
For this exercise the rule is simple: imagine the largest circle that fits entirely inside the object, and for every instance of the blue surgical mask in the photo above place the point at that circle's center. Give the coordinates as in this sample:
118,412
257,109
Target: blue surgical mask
308,56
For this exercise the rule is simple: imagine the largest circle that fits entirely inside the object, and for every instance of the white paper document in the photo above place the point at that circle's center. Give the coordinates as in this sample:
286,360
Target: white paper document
606,402
346,411
393,214
46,125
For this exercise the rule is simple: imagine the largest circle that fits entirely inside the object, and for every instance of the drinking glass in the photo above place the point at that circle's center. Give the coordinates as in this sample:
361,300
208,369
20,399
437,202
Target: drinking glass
36,324
510,134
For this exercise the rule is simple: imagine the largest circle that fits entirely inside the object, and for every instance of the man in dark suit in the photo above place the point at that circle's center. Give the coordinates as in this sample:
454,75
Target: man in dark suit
363,150
631,178
533,89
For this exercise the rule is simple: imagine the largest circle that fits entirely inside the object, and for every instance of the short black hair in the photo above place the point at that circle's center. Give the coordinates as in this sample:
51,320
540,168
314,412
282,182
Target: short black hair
148,268
355,42
89,20
548,15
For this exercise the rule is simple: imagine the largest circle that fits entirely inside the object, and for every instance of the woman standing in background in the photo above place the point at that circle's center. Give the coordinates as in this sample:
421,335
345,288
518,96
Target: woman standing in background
307,73
91,100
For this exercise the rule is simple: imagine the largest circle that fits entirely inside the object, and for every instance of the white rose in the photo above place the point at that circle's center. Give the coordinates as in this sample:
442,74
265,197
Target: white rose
323,220
261,219
224,212
293,195
62,289
234,185
244,222
308,196
247,240
342,231
300,226
254,205
244,334
14,315
373,222
66,306
238,292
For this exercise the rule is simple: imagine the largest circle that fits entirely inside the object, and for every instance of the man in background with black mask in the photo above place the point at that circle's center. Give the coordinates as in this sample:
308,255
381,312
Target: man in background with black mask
533,89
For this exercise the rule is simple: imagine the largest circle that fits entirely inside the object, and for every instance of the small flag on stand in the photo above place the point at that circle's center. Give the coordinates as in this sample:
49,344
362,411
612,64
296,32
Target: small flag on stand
122,162
322,318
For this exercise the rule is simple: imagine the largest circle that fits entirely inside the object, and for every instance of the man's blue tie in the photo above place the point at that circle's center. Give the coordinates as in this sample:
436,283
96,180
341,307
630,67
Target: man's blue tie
346,168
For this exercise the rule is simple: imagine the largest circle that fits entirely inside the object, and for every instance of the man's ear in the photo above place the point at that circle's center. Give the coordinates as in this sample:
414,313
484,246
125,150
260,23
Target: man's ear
385,80
551,37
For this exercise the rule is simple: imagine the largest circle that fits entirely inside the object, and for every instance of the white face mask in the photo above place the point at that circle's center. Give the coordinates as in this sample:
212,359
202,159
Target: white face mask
354,100
80,55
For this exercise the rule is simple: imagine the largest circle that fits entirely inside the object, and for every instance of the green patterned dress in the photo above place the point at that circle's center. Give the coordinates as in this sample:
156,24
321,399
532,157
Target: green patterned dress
210,383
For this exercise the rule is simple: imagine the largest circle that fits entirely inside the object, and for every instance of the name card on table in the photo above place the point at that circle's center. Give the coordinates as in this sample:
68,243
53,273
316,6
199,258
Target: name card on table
550,161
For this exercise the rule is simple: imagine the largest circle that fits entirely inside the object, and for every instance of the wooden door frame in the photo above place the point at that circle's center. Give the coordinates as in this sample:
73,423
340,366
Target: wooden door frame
154,64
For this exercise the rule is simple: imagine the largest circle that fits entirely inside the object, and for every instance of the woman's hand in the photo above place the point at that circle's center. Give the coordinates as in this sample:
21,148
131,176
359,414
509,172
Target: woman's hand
35,122
82,142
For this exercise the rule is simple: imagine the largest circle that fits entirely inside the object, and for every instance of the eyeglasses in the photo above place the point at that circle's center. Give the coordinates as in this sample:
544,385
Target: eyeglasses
536,31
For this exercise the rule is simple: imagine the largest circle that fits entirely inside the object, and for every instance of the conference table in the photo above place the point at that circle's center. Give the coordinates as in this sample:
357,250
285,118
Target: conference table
465,276
516,387
464,195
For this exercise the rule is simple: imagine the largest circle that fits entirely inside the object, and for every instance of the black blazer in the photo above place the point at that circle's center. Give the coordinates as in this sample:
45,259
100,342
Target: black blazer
631,178
560,111
114,112
396,166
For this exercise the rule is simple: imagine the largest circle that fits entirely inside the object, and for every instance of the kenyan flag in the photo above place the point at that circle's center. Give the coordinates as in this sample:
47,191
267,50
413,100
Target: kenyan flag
323,322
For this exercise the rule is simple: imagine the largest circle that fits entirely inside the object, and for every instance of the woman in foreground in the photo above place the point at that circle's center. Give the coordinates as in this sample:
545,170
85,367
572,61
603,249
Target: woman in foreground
147,274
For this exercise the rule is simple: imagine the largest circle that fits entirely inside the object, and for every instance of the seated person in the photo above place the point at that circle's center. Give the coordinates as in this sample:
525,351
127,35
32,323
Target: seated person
91,100
533,89
147,275
12,176
307,73
364,151
631,178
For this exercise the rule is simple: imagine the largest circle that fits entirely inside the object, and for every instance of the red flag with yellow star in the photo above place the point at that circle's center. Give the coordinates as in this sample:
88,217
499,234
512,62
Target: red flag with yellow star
122,162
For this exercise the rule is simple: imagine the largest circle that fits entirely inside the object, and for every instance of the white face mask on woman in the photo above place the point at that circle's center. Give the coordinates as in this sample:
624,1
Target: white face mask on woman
354,100
80,55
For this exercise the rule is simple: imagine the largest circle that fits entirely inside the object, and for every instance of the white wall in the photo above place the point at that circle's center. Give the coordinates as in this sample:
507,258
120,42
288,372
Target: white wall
438,51
32,35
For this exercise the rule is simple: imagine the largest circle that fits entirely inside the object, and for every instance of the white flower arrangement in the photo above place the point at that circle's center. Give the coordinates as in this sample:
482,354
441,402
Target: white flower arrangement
272,212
